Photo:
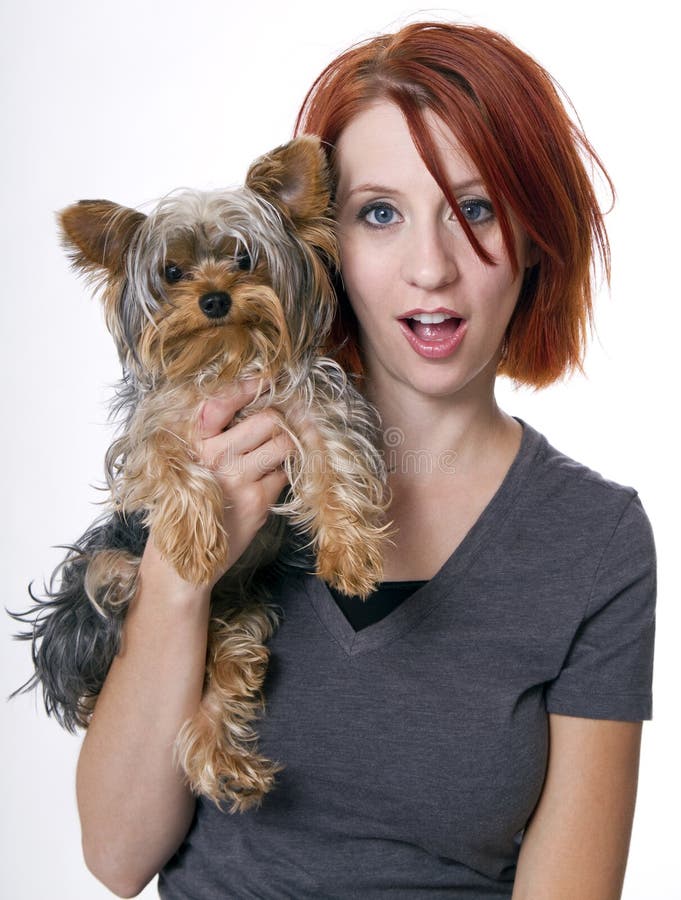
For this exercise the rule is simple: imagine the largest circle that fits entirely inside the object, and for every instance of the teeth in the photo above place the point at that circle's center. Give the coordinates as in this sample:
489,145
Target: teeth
431,318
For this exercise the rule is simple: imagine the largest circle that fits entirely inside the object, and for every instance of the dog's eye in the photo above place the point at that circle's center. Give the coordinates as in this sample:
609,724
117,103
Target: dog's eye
173,273
243,261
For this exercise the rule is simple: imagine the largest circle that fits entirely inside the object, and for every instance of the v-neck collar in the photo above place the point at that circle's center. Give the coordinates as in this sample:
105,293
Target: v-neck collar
416,607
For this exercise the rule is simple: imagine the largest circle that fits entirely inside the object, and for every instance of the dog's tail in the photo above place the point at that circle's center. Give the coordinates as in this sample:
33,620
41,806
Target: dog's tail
74,637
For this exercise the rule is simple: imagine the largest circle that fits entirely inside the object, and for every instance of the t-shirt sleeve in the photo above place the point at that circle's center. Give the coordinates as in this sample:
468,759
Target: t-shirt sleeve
608,671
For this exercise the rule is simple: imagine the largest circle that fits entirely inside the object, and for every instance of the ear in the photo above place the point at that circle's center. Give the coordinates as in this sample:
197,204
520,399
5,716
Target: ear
98,233
295,178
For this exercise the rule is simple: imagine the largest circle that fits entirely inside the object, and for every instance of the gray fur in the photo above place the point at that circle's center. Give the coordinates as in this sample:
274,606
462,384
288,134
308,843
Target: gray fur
72,643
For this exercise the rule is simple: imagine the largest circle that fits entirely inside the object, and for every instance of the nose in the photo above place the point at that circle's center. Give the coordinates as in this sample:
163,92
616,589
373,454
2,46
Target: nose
215,304
429,261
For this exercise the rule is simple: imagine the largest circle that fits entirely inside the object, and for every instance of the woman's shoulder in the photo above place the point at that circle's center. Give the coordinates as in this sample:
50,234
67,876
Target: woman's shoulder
569,491
551,467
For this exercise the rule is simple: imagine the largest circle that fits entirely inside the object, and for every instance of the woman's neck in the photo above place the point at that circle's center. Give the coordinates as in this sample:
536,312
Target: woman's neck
446,459
426,432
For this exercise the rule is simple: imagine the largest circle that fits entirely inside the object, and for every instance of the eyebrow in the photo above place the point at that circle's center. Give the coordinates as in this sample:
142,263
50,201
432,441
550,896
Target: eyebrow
371,188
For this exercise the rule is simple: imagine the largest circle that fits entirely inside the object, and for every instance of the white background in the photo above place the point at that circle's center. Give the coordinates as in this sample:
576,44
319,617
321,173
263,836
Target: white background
127,100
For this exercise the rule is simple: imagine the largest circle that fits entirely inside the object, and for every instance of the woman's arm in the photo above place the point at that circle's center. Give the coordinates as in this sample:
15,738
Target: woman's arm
134,805
577,841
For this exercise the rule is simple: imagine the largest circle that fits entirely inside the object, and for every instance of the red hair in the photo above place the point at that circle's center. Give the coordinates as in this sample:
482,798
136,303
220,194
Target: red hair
506,112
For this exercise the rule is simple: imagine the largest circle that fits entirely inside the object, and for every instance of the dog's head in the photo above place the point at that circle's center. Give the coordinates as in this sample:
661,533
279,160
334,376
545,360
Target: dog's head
218,280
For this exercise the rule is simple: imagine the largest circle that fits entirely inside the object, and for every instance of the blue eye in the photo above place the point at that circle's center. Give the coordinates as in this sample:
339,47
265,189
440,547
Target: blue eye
477,211
377,215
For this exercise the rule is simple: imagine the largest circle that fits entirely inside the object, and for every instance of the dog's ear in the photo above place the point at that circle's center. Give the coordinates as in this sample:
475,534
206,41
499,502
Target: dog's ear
97,234
295,178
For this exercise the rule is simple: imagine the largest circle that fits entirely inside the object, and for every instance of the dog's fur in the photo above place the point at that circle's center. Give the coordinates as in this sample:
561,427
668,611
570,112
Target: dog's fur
211,289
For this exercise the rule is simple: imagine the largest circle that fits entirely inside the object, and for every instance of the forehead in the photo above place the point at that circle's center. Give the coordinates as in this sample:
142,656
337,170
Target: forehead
221,221
202,239
376,147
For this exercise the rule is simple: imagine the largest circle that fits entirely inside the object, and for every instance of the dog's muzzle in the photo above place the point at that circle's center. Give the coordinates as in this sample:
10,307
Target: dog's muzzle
215,304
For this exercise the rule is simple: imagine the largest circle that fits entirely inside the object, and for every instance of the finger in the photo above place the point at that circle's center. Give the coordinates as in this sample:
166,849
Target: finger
251,433
273,484
217,412
267,458
244,437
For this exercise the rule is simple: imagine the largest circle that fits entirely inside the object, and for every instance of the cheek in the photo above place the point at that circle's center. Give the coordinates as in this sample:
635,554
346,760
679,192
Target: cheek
364,278
498,284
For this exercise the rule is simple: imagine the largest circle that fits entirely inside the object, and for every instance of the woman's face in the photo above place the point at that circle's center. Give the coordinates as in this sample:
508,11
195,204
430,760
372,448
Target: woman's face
431,313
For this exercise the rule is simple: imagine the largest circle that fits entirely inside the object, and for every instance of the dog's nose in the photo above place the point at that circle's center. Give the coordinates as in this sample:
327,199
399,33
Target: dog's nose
215,304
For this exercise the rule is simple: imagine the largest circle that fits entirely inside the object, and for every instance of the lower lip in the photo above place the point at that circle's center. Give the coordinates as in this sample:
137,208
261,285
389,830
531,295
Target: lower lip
435,349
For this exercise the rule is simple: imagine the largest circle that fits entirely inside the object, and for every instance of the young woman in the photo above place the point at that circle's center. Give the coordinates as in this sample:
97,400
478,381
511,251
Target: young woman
473,729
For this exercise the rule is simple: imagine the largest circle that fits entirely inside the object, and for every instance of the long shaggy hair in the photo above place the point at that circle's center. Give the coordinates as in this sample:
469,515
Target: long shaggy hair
211,289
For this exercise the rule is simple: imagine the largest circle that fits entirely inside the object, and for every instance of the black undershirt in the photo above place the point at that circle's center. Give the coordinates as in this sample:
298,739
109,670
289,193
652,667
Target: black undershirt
387,597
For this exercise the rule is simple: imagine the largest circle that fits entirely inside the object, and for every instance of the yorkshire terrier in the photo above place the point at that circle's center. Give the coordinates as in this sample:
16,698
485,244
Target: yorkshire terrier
207,290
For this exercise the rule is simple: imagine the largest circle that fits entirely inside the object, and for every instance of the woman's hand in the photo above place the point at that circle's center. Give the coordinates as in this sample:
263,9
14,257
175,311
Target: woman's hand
247,459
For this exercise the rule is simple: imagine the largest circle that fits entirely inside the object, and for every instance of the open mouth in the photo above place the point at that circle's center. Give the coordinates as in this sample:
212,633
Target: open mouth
433,334
432,326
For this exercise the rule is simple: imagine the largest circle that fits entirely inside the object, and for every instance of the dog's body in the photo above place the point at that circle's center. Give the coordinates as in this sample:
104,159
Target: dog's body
212,289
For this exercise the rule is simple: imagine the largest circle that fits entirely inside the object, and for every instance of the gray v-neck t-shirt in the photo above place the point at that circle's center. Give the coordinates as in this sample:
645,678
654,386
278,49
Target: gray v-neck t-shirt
415,749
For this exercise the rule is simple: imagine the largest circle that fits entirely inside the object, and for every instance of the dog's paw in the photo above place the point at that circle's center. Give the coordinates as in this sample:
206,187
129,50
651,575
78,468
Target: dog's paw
351,562
221,771
243,782
189,533
195,563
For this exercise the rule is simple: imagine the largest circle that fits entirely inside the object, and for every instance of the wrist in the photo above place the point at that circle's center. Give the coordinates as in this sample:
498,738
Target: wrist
158,578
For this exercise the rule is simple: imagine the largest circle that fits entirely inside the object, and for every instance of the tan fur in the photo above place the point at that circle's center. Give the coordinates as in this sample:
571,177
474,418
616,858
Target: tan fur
216,747
111,578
